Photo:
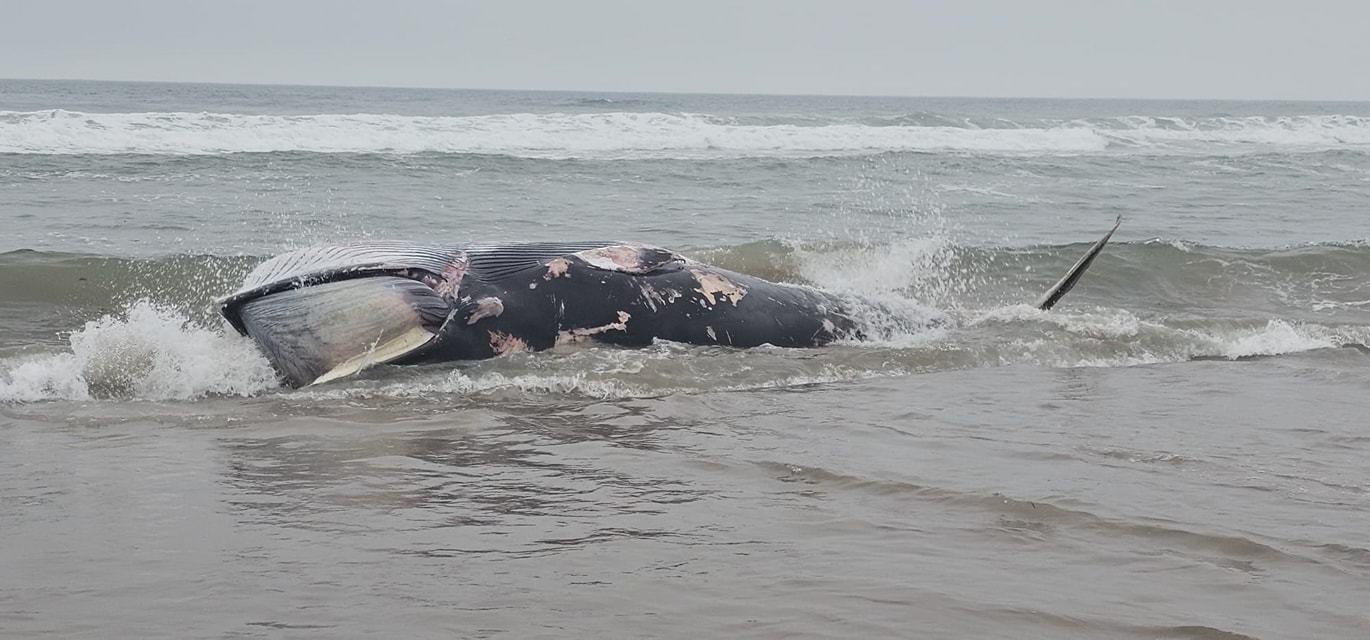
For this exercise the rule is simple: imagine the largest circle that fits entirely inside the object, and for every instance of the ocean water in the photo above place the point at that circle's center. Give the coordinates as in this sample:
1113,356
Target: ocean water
1177,451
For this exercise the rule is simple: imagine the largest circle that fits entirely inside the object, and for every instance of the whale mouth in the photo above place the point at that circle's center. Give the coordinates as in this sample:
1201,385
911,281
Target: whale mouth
323,313
321,332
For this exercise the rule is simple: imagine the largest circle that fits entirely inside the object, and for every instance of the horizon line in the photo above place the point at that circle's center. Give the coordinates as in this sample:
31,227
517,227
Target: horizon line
679,92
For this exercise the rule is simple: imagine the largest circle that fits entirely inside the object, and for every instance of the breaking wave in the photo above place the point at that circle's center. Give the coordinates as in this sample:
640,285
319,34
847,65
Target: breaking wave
652,134
148,352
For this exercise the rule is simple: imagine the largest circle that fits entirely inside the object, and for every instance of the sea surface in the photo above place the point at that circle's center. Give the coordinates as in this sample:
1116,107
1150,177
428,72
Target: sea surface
1179,450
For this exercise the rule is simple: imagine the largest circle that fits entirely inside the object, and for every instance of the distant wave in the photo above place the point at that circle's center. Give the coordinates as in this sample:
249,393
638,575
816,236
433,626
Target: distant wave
638,135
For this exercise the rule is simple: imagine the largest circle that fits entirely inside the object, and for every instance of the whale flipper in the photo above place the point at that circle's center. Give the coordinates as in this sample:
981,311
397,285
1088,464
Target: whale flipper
1067,282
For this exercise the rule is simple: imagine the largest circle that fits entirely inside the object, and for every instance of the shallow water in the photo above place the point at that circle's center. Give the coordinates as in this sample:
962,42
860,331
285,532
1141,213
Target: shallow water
1175,452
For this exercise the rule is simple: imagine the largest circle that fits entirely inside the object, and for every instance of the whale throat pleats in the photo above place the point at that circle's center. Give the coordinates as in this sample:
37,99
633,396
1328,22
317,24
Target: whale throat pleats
326,331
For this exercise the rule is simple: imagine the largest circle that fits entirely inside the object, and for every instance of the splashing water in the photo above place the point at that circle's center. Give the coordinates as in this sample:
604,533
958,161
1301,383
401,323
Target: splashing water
150,352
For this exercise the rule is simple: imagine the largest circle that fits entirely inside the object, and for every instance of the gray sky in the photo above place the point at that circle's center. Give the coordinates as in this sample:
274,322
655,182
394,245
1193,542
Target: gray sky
1310,49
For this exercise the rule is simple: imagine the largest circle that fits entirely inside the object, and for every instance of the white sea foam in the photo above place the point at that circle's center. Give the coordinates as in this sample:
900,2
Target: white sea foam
1103,324
461,383
583,384
613,135
1114,337
1328,131
521,134
1278,337
154,353
149,353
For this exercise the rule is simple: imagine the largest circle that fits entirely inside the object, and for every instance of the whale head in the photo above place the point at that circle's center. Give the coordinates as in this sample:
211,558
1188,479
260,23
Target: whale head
322,313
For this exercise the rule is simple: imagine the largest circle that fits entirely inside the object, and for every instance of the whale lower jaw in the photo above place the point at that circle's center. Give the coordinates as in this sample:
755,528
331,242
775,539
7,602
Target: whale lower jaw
316,333
402,345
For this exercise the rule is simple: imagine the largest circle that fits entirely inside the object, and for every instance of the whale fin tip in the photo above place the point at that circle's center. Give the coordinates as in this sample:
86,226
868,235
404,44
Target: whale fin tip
1068,281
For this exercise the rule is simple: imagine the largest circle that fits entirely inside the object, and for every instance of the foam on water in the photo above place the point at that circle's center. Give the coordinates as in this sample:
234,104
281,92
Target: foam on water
1113,324
890,291
1280,337
1022,334
552,135
639,135
599,386
1329,131
149,352
154,353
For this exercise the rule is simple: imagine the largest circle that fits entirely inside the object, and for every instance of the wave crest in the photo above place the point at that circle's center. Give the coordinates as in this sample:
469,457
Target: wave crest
149,353
644,134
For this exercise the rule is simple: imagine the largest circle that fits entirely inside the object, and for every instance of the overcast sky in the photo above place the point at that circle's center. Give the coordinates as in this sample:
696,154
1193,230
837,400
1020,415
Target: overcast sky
1306,49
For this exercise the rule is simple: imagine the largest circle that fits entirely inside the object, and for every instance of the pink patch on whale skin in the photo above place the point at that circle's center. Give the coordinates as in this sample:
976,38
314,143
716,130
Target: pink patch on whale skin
627,258
486,308
504,343
451,277
714,286
574,336
557,268
654,297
